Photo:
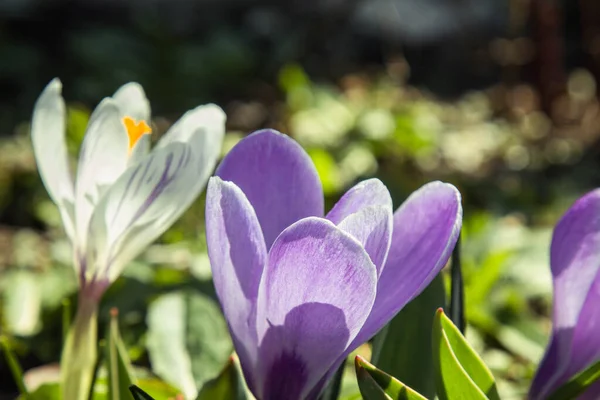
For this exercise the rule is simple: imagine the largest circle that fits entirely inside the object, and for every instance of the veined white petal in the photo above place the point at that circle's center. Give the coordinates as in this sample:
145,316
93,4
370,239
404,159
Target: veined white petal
151,195
139,207
140,150
132,102
209,118
50,150
102,159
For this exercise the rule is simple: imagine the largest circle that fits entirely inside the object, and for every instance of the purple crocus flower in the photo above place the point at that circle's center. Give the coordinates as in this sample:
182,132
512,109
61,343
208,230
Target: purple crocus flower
301,290
575,265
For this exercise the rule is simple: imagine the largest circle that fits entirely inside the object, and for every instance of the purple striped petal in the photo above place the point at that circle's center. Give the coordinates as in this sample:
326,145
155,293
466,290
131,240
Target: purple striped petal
426,228
316,292
575,264
365,211
278,178
237,253
137,209
370,192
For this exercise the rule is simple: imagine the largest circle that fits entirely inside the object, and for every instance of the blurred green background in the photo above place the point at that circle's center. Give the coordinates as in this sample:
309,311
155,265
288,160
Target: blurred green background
498,98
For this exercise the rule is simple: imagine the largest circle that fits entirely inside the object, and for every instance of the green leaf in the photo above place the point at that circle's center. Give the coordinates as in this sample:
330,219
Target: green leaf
157,388
228,385
188,341
578,384
375,384
403,347
46,391
459,372
139,394
13,364
120,375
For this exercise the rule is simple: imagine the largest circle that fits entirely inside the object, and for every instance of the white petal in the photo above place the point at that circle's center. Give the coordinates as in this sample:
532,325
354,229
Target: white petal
140,206
102,159
153,194
49,147
132,102
209,118
140,150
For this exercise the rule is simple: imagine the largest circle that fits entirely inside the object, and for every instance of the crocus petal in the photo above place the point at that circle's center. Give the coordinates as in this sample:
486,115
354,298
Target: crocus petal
278,177
370,192
132,102
575,264
102,159
209,118
365,211
315,294
49,147
426,228
206,126
141,205
237,253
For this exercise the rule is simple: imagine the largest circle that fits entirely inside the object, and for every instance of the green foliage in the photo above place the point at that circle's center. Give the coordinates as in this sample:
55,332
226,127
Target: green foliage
120,375
13,364
139,394
375,384
188,341
403,347
228,385
459,372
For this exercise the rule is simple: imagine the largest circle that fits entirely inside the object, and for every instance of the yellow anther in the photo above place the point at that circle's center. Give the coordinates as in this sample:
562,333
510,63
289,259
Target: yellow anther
135,130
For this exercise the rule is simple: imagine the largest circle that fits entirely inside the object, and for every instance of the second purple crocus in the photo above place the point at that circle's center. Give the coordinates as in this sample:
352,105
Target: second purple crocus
301,290
575,265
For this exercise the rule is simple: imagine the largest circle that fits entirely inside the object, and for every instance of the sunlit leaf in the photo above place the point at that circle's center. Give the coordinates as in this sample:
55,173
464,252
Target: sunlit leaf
47,391
459,372
375,384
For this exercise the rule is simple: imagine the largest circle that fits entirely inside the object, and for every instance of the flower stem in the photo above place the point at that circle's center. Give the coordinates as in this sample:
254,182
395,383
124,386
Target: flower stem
79,352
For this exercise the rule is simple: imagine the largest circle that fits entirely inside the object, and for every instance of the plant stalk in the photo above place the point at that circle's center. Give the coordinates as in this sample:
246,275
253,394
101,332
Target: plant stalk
79,352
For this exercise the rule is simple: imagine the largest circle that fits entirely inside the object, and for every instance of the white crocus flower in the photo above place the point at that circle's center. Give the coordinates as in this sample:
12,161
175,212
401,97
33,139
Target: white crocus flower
123,196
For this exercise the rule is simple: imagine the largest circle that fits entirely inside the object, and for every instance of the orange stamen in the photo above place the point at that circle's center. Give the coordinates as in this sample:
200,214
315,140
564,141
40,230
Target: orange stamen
135,130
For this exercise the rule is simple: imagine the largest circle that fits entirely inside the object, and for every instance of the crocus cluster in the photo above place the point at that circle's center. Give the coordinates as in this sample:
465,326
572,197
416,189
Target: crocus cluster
575,265
299,289
123,196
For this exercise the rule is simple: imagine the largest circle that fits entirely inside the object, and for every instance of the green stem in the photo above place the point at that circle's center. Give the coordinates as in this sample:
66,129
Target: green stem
14,366
79,353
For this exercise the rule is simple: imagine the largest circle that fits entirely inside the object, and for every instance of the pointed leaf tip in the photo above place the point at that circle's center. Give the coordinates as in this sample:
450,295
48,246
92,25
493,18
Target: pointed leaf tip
120,376
139,394
458,370
375,384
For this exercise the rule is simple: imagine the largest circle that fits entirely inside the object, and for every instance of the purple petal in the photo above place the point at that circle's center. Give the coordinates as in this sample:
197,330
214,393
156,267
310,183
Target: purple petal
278,178
426,228
316,292
371,192
237,253
365,211
575,264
